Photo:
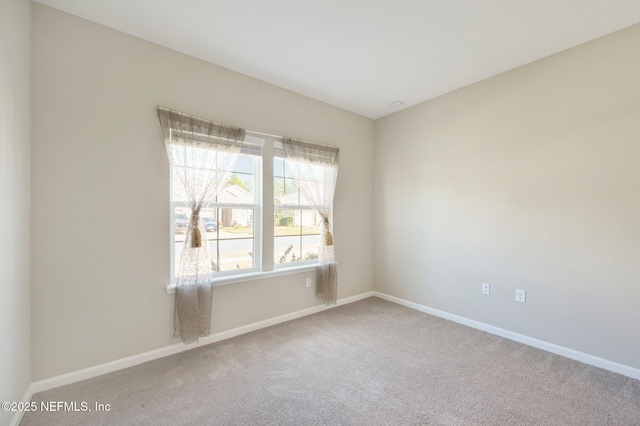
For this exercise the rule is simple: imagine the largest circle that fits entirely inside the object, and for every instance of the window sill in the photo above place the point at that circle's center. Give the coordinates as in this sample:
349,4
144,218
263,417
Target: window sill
230,279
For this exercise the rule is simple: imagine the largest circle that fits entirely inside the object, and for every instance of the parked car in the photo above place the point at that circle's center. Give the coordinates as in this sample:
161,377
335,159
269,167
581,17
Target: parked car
181,222
210,224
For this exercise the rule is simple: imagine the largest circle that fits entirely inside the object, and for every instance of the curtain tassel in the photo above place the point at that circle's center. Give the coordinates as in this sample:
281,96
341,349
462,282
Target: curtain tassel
196,237
328,238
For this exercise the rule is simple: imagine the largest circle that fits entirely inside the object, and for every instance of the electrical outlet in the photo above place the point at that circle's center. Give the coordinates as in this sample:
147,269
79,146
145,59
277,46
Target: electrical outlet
308,282
486,288
521,295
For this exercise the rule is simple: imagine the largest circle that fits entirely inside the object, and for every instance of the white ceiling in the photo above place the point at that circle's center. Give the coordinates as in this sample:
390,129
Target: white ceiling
361,55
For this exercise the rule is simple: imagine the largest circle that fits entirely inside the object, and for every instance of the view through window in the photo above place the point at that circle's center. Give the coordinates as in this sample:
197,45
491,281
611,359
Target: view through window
296,232
229,222
234,223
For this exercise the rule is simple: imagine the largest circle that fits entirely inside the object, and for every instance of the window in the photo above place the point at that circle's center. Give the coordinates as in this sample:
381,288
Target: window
224,203
296,231
238,219
228,222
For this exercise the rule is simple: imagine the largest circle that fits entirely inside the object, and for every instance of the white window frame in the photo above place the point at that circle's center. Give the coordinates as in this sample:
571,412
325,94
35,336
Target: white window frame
255,145
263,220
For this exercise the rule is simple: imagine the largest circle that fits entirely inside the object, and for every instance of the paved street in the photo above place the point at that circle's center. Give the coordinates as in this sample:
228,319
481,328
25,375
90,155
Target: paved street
235,248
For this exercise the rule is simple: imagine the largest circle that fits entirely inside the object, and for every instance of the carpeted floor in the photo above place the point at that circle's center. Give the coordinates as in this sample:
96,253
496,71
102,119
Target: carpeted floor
367,363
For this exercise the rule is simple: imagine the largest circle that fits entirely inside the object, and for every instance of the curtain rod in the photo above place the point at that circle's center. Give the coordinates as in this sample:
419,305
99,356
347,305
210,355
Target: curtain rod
285,137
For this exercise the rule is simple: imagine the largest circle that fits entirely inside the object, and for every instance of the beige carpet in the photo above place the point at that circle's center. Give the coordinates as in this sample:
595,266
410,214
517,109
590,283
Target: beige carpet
367,363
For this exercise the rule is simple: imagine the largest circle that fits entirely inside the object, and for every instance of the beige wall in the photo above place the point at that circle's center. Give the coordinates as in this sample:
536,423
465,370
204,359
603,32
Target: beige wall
15,333
528,180
98,274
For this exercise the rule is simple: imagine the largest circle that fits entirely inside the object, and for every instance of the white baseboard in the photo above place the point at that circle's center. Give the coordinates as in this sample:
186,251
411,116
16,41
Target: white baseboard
625,370
87,373
120,364
17,417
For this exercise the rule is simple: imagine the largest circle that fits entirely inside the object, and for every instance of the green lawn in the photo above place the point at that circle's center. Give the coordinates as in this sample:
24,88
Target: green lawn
279,230
295,230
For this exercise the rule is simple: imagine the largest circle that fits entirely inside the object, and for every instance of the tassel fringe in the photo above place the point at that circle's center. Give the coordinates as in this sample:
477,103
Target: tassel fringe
196,241
328,239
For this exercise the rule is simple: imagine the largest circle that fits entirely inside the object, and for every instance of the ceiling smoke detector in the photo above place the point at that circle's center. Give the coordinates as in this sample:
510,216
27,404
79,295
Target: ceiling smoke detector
397,104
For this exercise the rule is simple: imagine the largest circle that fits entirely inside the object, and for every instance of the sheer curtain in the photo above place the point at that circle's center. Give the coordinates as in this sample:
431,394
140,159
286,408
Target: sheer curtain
201,154
315,168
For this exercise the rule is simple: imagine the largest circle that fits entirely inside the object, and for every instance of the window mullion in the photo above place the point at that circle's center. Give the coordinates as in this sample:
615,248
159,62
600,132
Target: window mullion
258,209
268,229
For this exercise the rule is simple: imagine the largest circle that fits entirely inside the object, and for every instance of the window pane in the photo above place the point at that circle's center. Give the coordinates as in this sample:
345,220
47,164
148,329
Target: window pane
240,186
232,247
236,254
297,236
244,164
310,246
209,217
286,192
181,219
296,222
286,250
235,239
235,223
278,167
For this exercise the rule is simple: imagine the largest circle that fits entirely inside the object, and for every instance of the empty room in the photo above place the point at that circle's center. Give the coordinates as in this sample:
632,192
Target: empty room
420,212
